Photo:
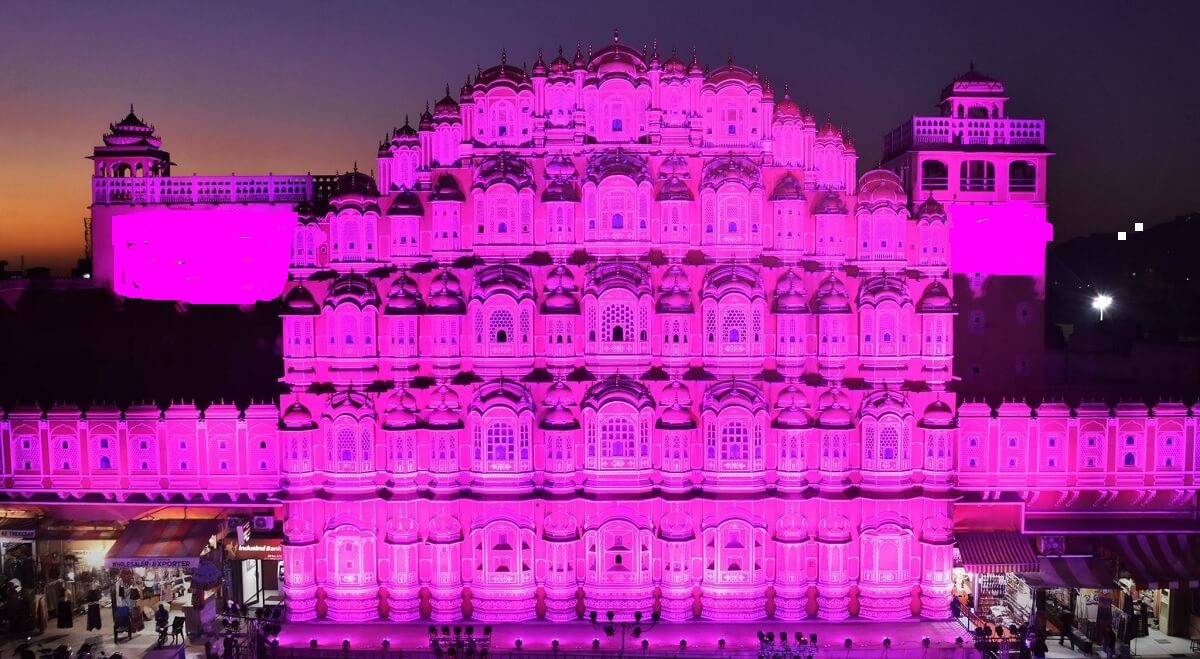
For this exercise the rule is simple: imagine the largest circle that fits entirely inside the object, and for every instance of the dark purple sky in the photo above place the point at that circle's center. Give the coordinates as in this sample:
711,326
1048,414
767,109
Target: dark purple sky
295,86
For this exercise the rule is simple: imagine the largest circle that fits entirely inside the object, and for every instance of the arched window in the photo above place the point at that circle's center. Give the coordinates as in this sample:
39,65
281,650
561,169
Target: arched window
1022,176
616,322
735,441
501,325
617,438
105,462
1130,460
501,441
934,175
618,221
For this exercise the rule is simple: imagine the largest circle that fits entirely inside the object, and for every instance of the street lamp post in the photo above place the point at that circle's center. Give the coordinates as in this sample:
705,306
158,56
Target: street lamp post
1102,302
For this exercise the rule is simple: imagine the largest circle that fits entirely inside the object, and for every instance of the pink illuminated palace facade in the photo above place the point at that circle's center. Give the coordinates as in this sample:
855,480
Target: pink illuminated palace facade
620,332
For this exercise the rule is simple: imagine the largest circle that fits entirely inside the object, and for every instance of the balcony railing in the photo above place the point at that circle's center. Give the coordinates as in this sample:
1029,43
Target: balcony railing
978,184
1022,185
924,131
202,189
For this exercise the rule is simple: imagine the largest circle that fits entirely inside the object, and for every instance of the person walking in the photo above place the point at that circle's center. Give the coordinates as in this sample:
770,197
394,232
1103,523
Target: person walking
1067,618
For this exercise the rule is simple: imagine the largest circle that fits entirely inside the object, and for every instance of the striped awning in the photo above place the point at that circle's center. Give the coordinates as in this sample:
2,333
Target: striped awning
996,552
1071,572
175,543
1159,560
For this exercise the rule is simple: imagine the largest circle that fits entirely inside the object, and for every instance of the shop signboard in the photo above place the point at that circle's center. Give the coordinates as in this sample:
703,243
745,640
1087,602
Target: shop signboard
180,563
262,549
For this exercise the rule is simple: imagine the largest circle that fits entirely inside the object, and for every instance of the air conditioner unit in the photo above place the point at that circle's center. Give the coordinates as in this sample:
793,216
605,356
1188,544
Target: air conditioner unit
263,522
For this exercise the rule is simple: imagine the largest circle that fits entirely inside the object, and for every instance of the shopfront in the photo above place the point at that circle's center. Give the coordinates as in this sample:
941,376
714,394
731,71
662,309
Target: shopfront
258,570
155,561
988,577
1159,577
18,549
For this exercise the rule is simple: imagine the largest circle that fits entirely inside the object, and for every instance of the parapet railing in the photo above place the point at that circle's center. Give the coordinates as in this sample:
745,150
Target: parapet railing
271,188
922,131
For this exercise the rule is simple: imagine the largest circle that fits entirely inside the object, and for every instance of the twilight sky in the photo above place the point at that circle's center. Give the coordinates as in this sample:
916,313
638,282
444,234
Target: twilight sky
297,86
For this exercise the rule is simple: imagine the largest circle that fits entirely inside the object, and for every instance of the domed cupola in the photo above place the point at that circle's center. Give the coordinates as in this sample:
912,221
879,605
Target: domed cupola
559,66
938,415
735,169
503,75
406,203
560,526
829,132
617,59
674,166
426,121
404,298
299,302
443,409
882,402
793,412
787,108
675,291
674,66
561,175
695,68
790,296
835,417
935,299
539,66
676,403
560,291
446,108
352,289
788,189
832,204
445,294
831,296
732,278
677,526
354,185
931,209
405,134
401,411
560,190
558,403
731,73
447,189
503,278
881,188
132,132
297,417
504,167
674,189
561,165
578,62
884,288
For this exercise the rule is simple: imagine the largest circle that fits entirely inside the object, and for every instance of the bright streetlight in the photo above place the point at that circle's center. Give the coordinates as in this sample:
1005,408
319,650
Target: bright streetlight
1102,302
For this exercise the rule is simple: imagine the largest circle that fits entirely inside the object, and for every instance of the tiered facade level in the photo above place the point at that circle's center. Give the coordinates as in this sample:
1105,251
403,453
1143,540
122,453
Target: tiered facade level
619,333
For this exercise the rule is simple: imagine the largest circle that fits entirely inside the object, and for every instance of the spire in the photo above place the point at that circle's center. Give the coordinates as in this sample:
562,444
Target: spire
654,48
131,106
447,90
971,69
785,90
355,166
616,35
503,57
731,59
560,50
